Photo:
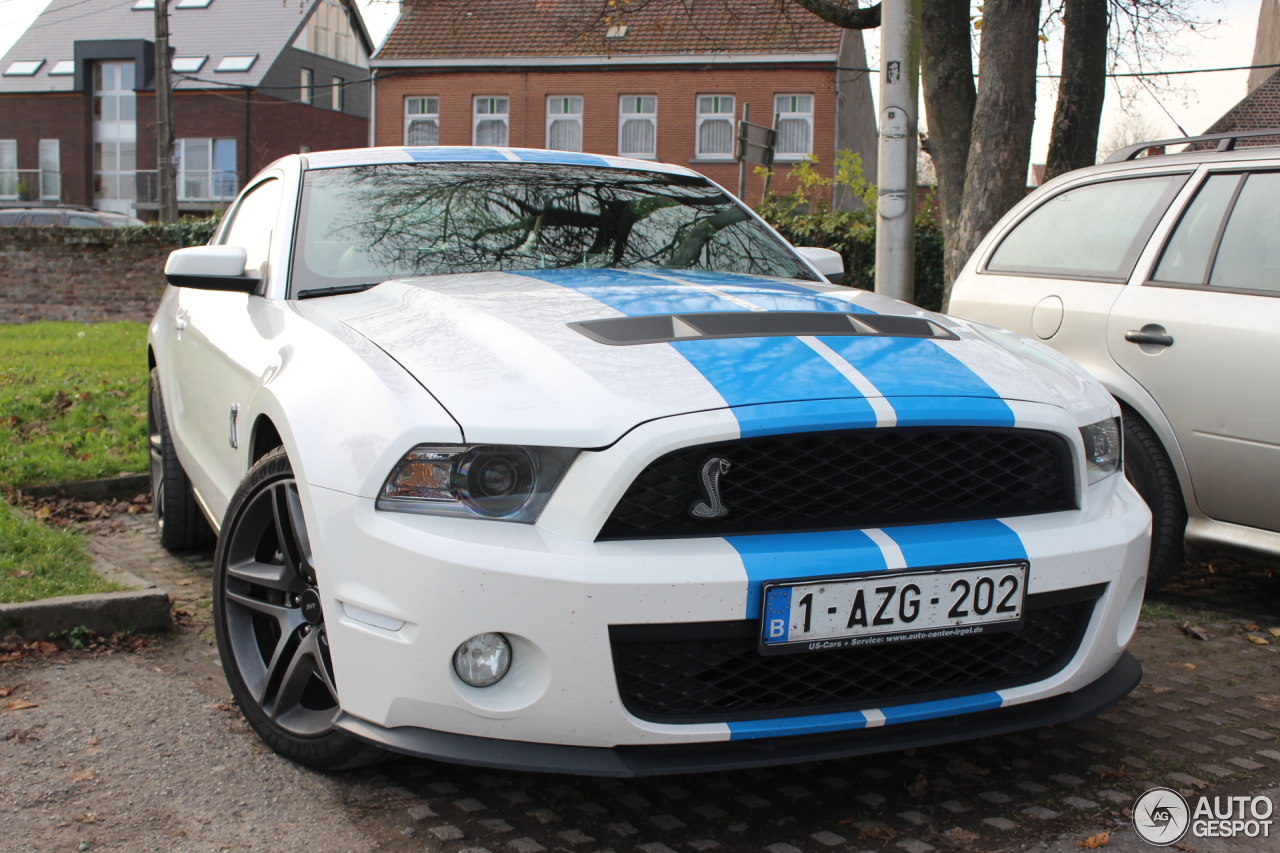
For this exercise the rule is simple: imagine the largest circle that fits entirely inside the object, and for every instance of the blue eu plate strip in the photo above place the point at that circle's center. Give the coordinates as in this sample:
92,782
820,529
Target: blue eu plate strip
777,615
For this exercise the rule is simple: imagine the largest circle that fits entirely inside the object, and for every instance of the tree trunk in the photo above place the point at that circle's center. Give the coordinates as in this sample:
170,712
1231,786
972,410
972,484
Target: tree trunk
855,115
946,65
1000,144
1073,143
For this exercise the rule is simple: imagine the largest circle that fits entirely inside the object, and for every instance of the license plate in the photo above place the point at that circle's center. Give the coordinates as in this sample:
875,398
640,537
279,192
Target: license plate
843,613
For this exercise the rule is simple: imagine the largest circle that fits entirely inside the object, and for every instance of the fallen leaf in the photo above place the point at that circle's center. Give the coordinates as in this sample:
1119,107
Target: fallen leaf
12,656
43,512
20,573
1093,842
920,787
44,647
186,582
82,776
1114,774
10,690
1257,640
1195,632
876,829
1275,632
1252,627
960,836
960,767
1161,689
1187,666
19,705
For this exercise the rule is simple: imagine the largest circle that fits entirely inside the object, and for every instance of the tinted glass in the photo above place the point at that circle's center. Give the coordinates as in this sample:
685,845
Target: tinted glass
44,219
76,221
1186,258
253,225
1249,255
373,223
1094,231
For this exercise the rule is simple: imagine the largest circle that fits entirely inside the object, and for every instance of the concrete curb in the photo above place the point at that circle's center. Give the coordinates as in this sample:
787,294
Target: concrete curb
108,488
144,607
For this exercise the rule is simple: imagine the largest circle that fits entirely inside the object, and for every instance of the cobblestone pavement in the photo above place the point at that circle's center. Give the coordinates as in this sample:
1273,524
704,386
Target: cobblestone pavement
174,767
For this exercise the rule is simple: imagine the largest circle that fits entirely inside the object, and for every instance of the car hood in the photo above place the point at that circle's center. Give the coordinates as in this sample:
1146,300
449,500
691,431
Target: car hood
498,351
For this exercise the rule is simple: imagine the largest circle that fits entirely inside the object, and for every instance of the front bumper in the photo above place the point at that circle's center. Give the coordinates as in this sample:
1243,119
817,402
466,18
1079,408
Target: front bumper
1091,699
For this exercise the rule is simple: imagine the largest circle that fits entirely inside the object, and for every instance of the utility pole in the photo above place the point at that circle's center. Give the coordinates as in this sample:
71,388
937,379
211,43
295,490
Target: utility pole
899,96
164,117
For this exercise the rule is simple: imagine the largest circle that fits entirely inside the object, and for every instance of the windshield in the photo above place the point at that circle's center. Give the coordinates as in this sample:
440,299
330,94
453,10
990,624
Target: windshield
366,224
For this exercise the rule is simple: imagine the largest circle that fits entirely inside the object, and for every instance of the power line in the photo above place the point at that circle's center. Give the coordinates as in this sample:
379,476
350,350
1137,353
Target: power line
1118,73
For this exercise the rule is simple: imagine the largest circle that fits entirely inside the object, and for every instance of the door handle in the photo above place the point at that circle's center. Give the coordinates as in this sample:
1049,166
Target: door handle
1148,337
180,321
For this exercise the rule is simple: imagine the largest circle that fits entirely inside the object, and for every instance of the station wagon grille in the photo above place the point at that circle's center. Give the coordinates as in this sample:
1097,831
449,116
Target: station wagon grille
712,672
849,479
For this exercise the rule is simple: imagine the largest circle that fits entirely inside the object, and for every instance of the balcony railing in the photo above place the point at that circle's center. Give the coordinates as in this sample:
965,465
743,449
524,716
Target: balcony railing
212,185
32,186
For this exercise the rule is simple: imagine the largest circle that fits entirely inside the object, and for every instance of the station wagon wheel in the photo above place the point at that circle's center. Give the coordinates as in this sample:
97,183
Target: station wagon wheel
181,525
1149,470
270,623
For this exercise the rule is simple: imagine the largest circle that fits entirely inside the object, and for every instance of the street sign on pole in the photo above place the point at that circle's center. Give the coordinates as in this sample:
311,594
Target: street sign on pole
756,144
896,178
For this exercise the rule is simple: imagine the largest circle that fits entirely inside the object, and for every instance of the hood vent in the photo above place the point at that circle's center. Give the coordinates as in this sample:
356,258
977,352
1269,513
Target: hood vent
666,328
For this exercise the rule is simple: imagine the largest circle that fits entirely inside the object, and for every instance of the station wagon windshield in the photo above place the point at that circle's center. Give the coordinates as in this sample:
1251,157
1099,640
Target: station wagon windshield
366,224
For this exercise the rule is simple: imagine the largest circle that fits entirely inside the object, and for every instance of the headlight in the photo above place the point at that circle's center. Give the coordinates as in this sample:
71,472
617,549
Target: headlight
485,481
1102,456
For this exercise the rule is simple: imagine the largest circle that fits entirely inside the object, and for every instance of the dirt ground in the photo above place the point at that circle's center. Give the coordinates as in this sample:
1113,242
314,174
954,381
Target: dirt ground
134,745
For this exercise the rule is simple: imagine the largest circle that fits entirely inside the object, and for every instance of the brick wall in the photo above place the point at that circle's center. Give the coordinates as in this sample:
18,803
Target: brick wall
676,88
1260,110
78,274
63,116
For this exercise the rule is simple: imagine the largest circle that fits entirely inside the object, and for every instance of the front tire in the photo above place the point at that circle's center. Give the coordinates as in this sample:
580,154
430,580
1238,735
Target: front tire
1149,470
181,525
269,619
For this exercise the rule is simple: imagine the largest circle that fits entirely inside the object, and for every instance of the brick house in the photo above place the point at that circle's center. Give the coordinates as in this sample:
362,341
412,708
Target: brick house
663,81
252,81
1260,108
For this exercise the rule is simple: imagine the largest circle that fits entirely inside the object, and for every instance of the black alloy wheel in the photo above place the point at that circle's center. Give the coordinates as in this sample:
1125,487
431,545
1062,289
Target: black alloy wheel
181,524
1148,468
269,617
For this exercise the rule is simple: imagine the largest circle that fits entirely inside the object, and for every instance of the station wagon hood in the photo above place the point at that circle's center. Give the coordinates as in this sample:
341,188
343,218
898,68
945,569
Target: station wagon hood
525,358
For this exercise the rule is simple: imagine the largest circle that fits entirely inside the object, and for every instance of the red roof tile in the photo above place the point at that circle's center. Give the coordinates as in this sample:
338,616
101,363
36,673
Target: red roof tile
439,29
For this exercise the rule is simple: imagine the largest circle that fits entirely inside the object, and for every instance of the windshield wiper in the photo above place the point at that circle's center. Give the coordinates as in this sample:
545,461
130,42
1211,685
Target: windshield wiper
335,291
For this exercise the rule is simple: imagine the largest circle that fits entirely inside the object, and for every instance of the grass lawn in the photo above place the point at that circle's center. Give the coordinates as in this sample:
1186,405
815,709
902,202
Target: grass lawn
73,402
37,562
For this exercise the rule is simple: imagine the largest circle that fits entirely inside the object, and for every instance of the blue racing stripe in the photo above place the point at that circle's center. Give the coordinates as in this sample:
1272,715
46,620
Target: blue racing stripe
957,542
952,411
797,725
849,413
568,158
940,708
456,155
789,556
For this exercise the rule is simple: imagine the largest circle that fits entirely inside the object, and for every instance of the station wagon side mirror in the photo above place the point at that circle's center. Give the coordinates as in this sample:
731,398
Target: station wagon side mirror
827,261
210,268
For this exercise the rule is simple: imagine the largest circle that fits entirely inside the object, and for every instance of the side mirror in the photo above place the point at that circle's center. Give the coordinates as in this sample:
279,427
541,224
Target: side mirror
827,261
210,268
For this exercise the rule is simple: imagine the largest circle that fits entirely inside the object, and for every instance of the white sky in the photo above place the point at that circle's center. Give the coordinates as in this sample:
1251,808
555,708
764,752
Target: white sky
1207,96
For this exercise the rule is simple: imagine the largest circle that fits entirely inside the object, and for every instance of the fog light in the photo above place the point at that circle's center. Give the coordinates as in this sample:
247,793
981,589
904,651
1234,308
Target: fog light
483,660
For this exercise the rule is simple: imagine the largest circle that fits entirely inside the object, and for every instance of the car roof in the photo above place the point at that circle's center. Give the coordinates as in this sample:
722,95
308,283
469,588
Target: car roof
478,154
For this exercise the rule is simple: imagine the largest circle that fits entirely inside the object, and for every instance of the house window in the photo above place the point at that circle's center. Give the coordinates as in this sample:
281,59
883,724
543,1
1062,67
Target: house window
564,123
338,90
490,121
715,126
206,169
8,168
305,82
638,126
50,169
422,121
794,115
329,32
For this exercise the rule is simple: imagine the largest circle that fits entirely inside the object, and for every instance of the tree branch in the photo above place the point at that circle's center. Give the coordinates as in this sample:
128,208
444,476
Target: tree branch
848,17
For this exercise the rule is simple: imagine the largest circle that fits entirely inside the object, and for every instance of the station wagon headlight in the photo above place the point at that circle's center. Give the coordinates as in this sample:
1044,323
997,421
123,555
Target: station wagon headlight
481,481
1102,455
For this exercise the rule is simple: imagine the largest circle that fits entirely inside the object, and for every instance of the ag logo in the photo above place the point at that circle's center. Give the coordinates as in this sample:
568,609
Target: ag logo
1161,816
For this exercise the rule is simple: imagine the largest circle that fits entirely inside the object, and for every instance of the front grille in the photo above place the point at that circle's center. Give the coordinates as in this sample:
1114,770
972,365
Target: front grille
848,479
713,672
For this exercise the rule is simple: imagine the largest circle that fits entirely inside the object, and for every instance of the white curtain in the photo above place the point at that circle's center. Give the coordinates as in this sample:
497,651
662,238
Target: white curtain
794,136
423,131
9,167
491,131
565,134
715,136
637,137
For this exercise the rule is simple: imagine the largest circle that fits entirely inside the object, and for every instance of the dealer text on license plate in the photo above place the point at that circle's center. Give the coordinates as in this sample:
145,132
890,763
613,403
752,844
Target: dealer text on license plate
871,610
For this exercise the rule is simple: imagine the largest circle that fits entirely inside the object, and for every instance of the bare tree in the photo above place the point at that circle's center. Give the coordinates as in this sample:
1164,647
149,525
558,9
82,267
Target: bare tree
1130,130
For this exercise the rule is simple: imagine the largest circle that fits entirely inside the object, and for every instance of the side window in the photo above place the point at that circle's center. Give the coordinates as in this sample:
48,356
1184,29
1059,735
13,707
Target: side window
74,221
1248,256
1094,231
254,223
1186,257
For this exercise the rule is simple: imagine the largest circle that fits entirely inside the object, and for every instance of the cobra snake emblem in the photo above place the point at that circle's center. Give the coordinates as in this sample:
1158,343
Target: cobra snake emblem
710,506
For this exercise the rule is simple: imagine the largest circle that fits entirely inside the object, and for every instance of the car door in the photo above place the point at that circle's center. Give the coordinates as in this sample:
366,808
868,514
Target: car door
1055,272
220,353
1202,336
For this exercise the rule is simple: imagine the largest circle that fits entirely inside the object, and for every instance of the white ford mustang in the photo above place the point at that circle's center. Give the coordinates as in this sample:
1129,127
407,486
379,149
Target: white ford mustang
555,461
